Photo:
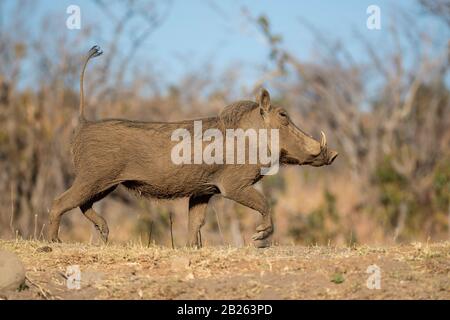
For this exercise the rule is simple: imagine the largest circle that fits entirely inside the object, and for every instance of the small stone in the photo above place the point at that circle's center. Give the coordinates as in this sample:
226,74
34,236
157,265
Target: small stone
12,271
44,249
190,276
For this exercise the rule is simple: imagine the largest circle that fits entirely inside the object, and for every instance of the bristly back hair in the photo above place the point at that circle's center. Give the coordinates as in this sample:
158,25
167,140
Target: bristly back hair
231,115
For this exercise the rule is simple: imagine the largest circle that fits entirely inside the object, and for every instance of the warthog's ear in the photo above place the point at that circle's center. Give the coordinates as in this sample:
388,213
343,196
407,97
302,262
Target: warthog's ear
264,100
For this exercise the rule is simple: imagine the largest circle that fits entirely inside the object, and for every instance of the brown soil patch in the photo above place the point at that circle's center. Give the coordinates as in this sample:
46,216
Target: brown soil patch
415,271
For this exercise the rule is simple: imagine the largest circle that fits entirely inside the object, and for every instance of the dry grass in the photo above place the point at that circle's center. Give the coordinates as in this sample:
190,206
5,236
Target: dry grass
134,271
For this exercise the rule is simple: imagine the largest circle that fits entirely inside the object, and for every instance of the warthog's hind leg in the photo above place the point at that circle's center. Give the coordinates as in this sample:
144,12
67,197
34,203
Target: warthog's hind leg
78,195
98,221
71,198
197,213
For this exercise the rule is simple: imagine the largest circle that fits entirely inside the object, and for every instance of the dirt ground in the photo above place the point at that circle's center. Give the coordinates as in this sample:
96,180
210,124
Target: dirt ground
414,271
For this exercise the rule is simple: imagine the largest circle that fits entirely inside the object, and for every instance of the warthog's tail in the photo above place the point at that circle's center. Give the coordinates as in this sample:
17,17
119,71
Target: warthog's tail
94,52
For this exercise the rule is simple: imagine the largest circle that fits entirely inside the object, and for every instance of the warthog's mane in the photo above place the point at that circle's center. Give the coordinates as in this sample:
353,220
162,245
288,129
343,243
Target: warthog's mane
232,114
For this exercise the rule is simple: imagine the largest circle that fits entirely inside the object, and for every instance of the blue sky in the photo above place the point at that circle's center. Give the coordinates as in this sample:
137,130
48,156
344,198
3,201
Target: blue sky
201,31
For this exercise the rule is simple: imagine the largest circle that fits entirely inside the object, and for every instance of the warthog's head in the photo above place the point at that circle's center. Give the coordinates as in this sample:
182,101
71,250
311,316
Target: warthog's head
296,147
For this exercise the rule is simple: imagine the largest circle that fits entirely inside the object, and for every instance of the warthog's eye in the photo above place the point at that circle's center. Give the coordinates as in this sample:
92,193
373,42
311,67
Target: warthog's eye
283,114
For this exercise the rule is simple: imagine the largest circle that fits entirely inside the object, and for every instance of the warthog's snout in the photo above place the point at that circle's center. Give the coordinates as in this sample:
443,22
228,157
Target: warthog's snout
331,156
325,157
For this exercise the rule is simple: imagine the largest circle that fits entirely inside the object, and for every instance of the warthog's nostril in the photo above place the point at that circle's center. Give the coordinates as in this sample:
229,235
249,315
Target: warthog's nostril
332,156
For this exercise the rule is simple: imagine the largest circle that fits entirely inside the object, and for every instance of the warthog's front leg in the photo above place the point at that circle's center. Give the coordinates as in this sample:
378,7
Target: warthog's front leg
197,213
252,198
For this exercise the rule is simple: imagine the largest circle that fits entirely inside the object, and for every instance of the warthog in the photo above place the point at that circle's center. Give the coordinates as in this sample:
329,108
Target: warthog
136,154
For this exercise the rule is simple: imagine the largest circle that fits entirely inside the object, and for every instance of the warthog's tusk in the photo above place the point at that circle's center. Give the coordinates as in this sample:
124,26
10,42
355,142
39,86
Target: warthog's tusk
323,142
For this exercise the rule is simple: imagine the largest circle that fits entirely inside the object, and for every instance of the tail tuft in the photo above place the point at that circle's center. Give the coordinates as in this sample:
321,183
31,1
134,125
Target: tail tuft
95,51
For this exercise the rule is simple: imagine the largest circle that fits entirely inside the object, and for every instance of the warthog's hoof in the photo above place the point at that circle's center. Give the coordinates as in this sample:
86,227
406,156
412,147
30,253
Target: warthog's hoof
104,237
56,240
194,245
104,233
262,243
263,231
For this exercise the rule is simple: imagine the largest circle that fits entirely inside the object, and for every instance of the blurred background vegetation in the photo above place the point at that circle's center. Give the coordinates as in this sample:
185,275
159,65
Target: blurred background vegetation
388,116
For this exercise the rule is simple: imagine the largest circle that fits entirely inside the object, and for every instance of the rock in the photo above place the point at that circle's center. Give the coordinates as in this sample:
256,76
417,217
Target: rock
12,271
44,249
